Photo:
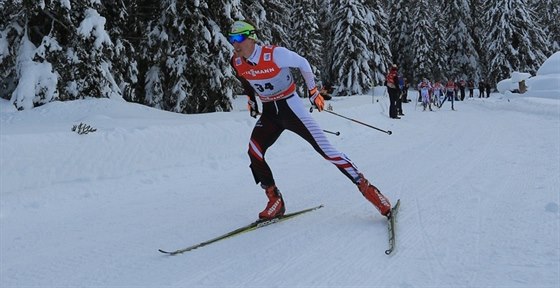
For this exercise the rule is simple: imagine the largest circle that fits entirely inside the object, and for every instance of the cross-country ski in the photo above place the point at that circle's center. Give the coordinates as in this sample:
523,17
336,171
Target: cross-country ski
250,227
391,227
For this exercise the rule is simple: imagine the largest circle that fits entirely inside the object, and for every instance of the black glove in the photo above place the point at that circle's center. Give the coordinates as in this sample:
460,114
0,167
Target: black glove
253,108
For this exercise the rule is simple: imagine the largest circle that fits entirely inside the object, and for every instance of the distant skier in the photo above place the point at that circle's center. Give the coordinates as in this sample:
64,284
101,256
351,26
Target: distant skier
437,89
450,91
424,87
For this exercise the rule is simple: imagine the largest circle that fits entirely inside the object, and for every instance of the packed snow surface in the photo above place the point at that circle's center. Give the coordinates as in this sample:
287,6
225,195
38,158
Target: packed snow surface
479,190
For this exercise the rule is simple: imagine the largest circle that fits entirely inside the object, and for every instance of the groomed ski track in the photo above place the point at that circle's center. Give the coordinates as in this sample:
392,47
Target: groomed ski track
478,186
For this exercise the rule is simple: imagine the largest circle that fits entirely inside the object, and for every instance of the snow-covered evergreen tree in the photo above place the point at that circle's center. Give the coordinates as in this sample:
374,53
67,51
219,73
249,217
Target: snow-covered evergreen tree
439,59
324,23
95,51
479,29
401,25
271,18
307,39
11,32
208,73
187,56
123,18
421,42
379,36
172,54
57,44
548,12
278,17
25,80
254,11
386,4
166,86
461,48
515,39
62,52
351,52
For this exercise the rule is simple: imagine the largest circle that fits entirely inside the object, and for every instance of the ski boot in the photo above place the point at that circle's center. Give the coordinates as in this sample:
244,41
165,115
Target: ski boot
275,206
374,196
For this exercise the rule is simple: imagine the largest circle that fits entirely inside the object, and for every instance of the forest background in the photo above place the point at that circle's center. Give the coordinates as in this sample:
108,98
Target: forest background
174,54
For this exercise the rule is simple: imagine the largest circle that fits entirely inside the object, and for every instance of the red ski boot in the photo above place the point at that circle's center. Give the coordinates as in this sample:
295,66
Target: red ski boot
275,207
374,196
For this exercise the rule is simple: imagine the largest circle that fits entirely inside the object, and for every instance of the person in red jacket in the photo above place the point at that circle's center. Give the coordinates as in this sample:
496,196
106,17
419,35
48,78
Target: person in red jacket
393,90
264,71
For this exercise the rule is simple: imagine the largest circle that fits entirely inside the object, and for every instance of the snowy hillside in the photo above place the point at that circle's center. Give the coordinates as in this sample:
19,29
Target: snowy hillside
479,189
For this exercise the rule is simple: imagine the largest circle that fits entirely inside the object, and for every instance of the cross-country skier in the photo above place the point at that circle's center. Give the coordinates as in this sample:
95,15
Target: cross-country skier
450,93
437,92
264,71
424,87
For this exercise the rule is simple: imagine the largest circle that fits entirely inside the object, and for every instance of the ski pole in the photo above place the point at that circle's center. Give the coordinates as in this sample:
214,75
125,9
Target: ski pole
331,132
359,122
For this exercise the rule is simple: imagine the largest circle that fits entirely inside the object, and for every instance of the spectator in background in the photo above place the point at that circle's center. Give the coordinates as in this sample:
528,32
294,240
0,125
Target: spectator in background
462,86
481,88
470,85
325,92
404,91
456,90
488,87
392,81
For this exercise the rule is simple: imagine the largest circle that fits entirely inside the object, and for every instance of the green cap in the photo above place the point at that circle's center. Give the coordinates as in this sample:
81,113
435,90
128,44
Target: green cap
240,27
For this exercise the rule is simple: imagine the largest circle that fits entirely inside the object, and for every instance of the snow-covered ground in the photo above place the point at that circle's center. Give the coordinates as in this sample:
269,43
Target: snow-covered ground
479,190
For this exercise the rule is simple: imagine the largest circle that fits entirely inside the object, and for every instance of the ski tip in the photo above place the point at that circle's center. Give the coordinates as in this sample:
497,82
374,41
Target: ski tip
318,207
164,252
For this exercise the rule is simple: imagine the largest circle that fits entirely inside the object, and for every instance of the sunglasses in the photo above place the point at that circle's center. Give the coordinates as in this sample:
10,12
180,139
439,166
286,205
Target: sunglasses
238,38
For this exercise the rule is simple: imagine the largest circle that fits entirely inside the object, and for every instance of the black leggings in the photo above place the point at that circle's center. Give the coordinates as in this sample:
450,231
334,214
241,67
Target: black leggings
291,114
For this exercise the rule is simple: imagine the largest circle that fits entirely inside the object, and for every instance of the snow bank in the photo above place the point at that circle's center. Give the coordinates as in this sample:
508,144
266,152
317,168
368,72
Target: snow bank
517,77
545,85
506,86
551,65
547,82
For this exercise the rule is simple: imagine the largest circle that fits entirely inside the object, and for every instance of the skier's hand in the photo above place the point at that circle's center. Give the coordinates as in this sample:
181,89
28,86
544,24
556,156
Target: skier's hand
316,99
253,108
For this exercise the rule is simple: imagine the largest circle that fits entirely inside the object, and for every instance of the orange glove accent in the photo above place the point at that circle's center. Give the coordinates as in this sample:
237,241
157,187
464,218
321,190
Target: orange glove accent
316,99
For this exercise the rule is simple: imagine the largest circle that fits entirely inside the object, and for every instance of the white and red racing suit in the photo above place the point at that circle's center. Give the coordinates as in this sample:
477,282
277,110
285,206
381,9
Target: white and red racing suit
266,73
425,88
